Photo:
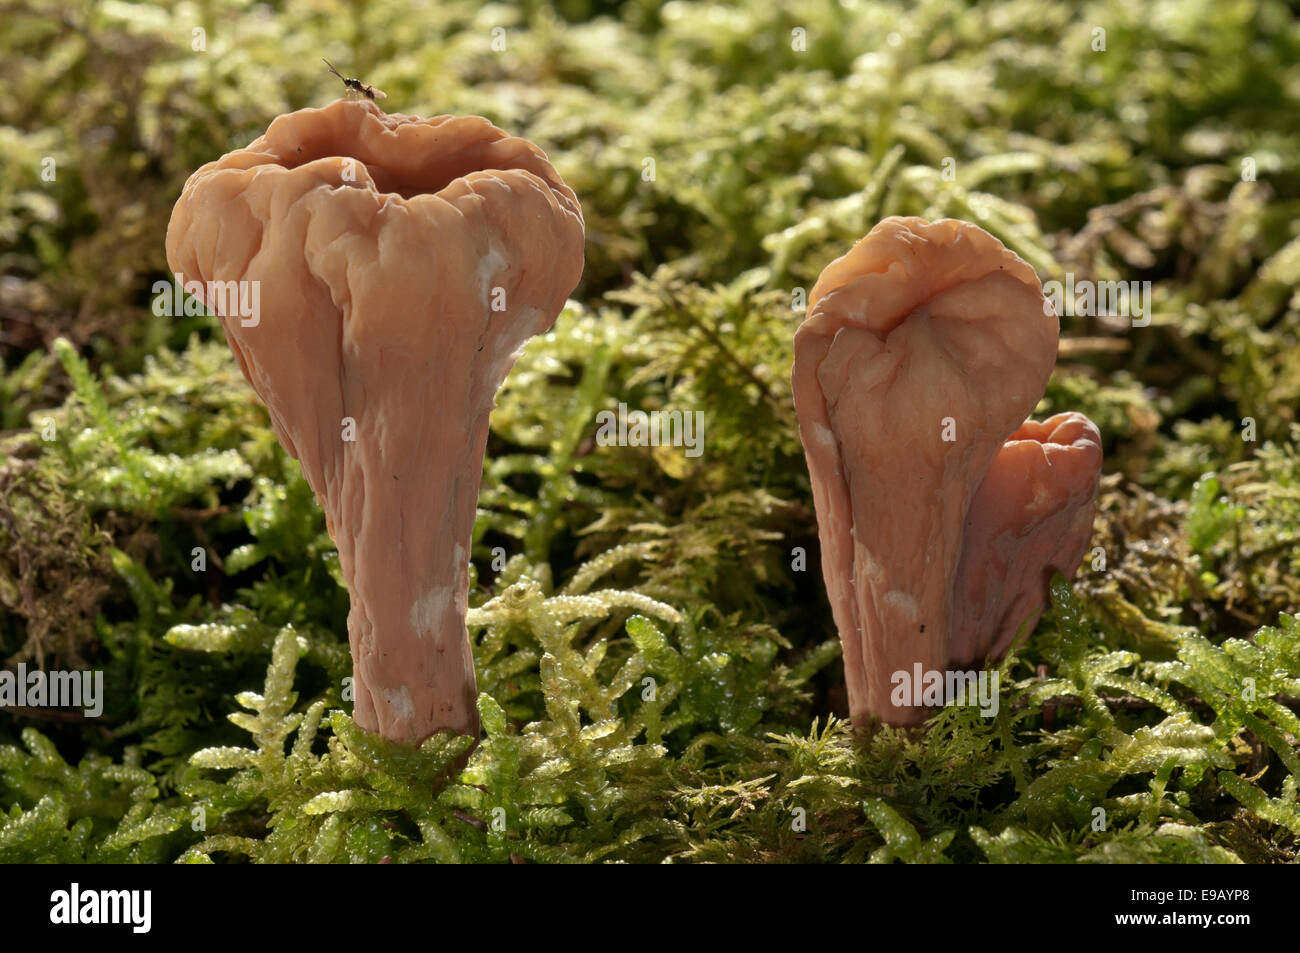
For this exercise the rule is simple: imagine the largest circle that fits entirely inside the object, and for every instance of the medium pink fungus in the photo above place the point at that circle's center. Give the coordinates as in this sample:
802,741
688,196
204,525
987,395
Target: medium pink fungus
401,264
942,510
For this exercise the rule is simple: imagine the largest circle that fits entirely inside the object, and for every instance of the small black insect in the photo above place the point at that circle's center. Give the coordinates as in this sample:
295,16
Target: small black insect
355,85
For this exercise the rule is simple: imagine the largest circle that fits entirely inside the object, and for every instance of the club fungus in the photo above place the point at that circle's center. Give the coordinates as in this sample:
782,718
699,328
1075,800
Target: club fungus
402,263
942,510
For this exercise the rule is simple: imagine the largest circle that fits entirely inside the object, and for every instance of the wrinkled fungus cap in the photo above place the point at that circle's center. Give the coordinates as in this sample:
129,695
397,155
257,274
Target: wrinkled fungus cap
924,351
1031,517
402,263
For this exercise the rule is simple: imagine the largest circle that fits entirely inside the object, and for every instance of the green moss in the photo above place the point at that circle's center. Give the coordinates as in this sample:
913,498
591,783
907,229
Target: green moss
657,661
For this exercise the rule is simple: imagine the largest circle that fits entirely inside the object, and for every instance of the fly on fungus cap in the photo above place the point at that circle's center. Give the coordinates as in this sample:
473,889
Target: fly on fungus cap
401,263
925,349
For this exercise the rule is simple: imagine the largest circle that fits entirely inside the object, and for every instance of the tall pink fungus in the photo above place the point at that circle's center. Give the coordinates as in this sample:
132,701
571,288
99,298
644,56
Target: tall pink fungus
401,263
942,510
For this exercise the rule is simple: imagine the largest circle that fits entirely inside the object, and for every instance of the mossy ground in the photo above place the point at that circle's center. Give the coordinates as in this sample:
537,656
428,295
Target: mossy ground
658,681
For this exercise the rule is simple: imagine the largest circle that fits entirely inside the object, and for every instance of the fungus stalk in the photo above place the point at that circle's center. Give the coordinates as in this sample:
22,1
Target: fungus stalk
401,264
942,510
